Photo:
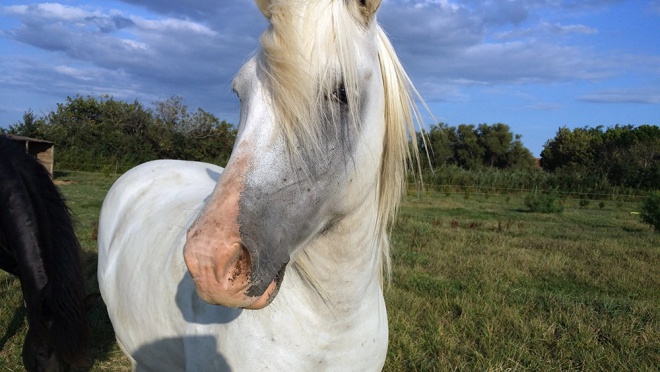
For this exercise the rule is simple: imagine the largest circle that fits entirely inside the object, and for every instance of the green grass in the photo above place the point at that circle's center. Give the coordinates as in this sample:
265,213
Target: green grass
482,284
478,284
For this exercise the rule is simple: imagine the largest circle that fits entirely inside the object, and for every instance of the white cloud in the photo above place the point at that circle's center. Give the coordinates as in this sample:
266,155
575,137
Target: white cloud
543,30
470,42
558,29
440,41
173,25
641,95
166,49
48,11
75,73
451,48
544,106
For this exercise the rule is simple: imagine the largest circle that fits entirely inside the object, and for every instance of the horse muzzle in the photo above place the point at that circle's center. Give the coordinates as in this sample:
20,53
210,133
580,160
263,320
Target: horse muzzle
224,274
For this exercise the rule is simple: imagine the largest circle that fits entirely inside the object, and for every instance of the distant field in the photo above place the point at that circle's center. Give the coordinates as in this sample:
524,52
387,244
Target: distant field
478,284
481,284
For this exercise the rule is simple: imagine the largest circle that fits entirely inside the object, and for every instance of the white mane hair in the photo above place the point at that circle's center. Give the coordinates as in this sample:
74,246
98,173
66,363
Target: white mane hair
307,52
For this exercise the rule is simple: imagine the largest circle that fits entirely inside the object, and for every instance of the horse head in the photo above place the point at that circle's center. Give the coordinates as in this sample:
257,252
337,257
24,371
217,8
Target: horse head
320,134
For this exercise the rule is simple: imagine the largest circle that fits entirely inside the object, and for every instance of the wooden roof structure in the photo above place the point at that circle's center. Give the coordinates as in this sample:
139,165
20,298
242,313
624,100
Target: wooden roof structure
43,150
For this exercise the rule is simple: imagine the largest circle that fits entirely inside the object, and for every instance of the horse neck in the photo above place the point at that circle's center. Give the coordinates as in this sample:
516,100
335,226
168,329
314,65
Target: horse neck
342,265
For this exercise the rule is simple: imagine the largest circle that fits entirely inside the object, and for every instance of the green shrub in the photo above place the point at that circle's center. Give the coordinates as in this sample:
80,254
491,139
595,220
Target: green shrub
584,202
651,210
544,203
106,170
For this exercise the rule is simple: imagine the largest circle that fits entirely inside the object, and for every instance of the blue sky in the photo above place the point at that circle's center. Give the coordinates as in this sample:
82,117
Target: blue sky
535,65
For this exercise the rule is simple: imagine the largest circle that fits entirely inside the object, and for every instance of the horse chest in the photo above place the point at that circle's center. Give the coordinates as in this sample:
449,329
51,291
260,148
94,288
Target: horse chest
308,338
288,335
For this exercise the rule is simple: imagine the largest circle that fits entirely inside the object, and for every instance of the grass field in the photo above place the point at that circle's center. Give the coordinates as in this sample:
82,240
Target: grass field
478,284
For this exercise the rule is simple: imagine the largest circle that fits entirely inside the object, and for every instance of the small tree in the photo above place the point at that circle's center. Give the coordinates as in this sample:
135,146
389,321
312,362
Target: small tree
31,126
547,202
651,210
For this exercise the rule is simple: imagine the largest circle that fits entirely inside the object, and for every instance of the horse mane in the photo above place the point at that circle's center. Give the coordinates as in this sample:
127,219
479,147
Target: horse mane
401,117
301,72
62,300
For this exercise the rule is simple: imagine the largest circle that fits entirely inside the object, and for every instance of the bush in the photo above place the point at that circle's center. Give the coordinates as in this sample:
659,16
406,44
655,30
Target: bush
544,203
651,210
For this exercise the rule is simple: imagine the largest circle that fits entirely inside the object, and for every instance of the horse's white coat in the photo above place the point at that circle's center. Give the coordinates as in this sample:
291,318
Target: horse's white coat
161,322
329,313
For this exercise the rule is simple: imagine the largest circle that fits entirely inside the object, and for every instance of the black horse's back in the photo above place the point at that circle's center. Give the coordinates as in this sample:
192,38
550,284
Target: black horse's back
38,244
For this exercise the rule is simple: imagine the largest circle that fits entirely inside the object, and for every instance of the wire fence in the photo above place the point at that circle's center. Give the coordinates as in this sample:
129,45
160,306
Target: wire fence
478,189
486,191
113,169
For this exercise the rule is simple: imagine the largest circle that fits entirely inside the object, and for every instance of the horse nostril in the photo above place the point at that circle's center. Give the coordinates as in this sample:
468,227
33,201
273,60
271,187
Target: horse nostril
241,266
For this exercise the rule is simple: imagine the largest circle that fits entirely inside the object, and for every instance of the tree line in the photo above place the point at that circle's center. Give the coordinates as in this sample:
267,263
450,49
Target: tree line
102,130
474,147
105,131
624,156
583,160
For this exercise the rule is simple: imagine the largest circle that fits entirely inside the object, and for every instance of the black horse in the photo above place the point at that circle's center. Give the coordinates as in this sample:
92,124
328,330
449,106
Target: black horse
38,245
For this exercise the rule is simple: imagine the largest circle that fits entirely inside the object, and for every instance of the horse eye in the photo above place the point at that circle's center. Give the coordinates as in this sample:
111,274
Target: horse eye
340,94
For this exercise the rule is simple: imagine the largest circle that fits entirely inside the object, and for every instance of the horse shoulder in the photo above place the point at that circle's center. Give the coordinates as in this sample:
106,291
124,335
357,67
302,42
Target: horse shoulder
152,192
141,232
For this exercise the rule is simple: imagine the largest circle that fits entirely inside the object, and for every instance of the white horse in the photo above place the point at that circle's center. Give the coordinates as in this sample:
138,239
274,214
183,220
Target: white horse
296,225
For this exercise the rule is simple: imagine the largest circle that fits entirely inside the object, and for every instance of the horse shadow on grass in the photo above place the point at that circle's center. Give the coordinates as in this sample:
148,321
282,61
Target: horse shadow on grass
60,174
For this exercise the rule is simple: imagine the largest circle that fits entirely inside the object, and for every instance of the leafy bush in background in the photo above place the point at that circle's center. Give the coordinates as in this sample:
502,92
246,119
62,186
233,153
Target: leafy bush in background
103,134
547,202
651,210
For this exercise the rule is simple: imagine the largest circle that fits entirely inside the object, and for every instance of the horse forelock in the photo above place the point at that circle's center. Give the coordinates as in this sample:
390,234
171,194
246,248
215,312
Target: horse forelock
307,53
310,48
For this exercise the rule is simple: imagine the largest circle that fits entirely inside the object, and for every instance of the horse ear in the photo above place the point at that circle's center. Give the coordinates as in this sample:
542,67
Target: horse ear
264,6
369,7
